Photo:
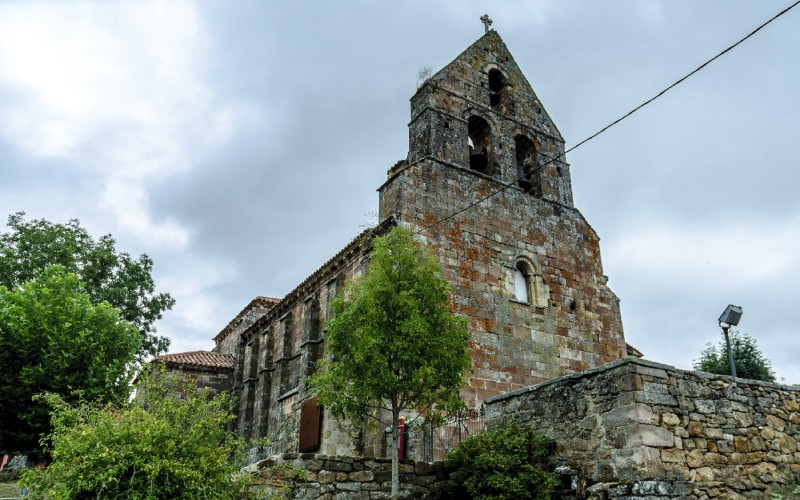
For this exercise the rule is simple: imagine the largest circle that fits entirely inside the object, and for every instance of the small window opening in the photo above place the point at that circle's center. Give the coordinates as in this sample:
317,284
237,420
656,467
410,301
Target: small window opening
521,283
526,162
479,144
497,88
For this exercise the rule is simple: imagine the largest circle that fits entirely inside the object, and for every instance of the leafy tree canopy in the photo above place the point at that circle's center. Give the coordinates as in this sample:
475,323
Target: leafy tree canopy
157,446
393,343
116,277
52,338
748,359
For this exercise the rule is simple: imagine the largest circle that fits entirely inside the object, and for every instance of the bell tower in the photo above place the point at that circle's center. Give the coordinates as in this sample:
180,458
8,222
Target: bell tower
488,187
480,113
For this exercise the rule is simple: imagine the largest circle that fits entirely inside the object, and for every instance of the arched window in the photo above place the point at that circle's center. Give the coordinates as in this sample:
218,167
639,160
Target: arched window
522,285
526,162
479,144
497,89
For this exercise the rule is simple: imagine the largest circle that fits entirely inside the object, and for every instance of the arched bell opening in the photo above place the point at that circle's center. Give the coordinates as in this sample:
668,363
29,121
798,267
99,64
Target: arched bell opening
498,90
479,144
526,162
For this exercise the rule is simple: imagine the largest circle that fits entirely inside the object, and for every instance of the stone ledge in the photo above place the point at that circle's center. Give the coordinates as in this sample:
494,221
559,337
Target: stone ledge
633,360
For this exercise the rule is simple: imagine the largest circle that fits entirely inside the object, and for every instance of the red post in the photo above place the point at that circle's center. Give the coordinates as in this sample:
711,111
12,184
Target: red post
401,439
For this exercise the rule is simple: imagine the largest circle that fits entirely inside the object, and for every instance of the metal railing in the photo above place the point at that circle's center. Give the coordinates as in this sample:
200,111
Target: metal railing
457,427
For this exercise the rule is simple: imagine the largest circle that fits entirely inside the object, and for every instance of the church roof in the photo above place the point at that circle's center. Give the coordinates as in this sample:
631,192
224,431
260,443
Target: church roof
197,359
264,303
632,351
360,245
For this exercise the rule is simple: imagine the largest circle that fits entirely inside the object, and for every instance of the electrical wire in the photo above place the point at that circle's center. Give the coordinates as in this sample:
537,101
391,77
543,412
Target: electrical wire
613,123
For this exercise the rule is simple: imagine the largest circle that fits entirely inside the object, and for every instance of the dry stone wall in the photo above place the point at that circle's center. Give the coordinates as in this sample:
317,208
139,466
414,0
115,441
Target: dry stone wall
333,477
638,428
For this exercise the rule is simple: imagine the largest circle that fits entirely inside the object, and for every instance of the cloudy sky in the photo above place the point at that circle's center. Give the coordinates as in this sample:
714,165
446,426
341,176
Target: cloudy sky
240,144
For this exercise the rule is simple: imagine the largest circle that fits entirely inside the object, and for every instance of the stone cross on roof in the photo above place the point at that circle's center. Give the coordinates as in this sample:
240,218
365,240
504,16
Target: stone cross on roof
487,21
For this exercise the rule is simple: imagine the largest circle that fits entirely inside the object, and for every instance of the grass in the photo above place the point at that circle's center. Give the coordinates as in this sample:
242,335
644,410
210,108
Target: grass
8,490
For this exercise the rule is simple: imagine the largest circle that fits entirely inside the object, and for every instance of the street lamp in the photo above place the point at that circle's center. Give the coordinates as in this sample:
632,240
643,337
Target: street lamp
730,317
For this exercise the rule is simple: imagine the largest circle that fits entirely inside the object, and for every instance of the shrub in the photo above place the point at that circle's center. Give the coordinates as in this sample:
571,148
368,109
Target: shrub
507,463
169,442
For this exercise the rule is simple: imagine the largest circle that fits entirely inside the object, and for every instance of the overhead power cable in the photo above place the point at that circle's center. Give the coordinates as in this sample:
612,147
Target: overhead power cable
615,122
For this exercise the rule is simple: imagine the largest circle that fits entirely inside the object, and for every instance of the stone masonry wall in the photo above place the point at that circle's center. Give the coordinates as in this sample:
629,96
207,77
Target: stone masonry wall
634,427
524,264
277,353
328,477
216,381
571,320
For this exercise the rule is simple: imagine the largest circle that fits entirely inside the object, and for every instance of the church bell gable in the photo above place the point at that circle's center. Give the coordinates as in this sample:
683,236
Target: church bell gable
480,113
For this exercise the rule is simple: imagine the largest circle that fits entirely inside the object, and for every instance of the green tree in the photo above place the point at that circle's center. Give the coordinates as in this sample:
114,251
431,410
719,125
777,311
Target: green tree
115,277
52,338
506,463
169,442
393,343
747,358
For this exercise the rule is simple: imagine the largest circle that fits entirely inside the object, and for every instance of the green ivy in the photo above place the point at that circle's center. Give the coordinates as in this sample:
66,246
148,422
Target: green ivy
511,462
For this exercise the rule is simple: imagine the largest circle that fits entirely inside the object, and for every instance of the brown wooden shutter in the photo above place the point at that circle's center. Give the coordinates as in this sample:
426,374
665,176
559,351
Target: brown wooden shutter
310,413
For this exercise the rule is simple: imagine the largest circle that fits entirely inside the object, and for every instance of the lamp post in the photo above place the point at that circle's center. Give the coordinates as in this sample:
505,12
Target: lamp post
730,317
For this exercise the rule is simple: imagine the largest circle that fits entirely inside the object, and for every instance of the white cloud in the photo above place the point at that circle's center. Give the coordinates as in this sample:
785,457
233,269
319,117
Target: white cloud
118,89
738,252
128,202
197,315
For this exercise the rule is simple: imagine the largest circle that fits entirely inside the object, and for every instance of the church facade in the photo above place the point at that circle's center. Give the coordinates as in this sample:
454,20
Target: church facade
487,186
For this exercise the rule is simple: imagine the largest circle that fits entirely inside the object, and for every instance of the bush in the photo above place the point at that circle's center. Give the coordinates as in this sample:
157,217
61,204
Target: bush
507,463
169,442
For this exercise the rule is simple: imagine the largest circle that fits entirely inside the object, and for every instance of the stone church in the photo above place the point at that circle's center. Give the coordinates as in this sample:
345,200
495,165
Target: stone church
487,186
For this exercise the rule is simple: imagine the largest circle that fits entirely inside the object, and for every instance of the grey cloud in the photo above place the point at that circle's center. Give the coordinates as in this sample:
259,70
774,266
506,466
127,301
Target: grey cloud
323,92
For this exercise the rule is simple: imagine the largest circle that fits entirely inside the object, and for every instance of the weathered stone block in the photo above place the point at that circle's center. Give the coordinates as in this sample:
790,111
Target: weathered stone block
670,419
656,398
360,476
696,429
703,474
673,456
349,486
715,459
637,463
660,488
628,414
791,405
775,422
338,465
695,458
742,419
650,371
705,406
650,435
741,444
786,444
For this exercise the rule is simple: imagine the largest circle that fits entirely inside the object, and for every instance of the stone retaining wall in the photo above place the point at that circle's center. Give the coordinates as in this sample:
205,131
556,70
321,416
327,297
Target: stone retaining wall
638,428
328,477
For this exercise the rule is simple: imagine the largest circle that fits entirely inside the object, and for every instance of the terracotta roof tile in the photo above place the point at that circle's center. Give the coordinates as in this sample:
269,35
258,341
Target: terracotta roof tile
199,359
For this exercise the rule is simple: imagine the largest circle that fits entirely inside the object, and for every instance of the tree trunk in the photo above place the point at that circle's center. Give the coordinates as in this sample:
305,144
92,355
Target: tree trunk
395,454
